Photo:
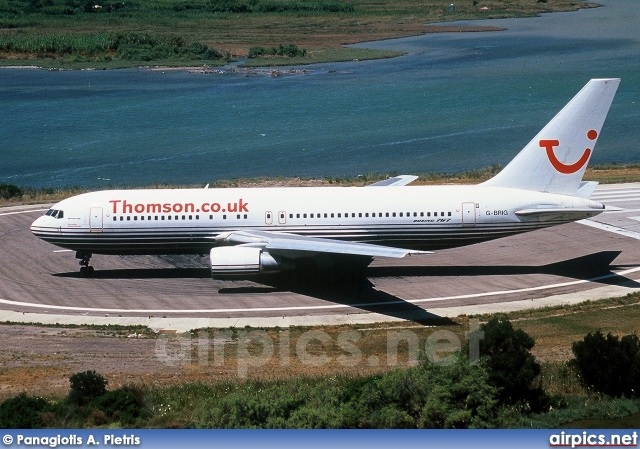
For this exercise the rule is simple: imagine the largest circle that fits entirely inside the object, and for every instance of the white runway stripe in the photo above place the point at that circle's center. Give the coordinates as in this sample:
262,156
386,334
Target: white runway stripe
24,212
325,307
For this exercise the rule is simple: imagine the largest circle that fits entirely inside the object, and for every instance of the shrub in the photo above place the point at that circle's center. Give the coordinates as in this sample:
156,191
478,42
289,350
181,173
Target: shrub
289,51
86,386
22,412
124,404
9,191
505,353
609,365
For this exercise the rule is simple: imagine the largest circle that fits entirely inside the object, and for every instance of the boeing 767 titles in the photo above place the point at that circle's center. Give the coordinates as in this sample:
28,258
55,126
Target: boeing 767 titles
248,231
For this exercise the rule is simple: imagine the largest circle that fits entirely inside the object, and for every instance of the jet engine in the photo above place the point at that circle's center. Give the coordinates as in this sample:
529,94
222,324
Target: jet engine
243,261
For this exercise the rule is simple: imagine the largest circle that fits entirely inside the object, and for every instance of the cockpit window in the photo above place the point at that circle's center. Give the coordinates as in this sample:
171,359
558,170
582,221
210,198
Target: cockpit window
55,213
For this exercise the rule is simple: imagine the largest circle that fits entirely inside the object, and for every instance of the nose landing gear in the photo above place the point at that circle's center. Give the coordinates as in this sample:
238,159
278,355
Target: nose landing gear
86,270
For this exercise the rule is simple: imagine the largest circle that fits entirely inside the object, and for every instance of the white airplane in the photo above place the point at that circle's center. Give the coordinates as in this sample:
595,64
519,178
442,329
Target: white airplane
248,231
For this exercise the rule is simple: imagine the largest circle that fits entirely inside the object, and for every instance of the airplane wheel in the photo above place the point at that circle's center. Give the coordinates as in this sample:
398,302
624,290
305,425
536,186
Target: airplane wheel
87,272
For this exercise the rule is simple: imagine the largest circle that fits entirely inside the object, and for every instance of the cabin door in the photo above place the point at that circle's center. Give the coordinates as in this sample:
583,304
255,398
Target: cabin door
468,214
95,219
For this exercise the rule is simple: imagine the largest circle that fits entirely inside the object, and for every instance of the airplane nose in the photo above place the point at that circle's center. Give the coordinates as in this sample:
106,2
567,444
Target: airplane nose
37,224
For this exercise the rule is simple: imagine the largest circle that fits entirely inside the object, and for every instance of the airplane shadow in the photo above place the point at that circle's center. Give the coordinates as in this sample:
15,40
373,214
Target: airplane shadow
354,291
357,291
597,267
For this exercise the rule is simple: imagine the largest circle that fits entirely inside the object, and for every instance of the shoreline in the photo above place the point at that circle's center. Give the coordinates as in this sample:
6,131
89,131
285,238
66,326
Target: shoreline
269,63
604,174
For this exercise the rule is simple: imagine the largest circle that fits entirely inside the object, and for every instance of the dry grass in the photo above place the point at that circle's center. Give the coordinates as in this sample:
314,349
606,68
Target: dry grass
351,350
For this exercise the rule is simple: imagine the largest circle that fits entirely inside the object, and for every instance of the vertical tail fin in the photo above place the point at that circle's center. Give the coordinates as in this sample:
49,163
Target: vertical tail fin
556,159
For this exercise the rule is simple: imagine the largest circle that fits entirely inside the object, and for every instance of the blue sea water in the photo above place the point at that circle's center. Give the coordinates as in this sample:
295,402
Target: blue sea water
457,101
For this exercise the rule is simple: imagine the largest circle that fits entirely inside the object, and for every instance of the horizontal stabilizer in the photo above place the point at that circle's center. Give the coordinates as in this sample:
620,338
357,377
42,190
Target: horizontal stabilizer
586,189
565,212
396,181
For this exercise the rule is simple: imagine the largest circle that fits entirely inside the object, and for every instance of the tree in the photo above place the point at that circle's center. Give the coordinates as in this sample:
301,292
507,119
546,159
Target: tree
86,386
22,412
610,365
506,354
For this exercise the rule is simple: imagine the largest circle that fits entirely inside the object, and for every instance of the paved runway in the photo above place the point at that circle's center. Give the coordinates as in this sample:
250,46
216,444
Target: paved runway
586,260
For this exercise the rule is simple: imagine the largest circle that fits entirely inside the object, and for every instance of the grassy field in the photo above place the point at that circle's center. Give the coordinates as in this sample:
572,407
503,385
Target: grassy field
75,34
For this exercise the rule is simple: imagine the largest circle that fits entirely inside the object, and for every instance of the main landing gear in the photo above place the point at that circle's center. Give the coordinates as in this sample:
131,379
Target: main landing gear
86,270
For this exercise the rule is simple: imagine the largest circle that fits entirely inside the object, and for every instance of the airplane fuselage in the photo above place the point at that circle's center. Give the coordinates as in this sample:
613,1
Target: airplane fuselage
184,221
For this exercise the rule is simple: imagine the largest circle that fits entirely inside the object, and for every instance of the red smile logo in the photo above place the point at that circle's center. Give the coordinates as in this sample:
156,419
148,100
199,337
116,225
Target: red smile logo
567,169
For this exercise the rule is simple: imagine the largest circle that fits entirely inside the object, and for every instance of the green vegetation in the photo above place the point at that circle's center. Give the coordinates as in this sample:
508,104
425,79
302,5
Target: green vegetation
507,388
10,191
89,33
88,404
291,51
107,46
609,365
508,359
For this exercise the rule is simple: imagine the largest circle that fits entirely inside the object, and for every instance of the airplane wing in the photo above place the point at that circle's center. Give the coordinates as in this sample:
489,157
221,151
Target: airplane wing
294,245
396,181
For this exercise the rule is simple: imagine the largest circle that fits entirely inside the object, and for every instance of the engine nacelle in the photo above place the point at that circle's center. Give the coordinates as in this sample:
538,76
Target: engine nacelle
242,261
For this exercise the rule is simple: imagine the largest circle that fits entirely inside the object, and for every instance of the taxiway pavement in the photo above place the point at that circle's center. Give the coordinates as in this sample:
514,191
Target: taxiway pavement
571,263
